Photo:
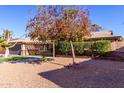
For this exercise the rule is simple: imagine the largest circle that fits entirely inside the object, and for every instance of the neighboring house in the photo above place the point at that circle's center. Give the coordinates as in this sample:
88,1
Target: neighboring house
107,35
116,41
27,46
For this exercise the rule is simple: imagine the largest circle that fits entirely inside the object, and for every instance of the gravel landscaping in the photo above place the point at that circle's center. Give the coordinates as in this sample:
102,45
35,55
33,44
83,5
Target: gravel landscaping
90,73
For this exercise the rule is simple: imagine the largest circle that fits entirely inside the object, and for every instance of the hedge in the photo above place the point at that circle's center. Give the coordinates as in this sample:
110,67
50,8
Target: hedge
89,48
63,47
101,47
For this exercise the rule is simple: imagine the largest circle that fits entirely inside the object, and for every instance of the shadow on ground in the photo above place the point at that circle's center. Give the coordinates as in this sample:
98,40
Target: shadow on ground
89,74
31,60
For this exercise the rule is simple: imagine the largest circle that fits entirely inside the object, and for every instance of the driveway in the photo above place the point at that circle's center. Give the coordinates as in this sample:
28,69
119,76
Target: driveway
90,73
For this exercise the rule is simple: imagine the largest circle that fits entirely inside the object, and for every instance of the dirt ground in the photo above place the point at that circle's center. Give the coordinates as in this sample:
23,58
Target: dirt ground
90,73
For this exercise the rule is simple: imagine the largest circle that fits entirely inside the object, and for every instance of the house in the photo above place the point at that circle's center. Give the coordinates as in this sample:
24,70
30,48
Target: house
27,46
116,41
104,35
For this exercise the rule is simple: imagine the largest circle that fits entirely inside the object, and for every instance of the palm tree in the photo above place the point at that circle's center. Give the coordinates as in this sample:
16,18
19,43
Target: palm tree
7,35
96,27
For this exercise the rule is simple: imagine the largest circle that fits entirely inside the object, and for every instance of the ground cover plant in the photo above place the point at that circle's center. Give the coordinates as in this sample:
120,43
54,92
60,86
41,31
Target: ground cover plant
14,58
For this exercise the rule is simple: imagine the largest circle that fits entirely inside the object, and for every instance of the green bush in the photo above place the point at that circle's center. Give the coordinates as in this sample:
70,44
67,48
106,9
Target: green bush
89,48
101,47
63,47
82,48
79,48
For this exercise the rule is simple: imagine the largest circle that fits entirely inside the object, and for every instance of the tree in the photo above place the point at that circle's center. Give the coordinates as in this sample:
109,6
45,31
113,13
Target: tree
76,26
96,27
60,23
4,42
43,26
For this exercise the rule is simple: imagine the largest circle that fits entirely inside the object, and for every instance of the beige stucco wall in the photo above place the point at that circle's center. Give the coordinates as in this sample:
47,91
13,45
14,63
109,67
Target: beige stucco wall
118,46
24,51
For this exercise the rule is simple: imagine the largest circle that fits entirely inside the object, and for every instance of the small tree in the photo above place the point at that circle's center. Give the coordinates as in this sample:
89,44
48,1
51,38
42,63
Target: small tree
4,42
54,13
75,26
43,26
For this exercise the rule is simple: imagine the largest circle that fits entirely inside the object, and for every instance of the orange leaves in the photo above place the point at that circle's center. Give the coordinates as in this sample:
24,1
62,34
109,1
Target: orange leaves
66,24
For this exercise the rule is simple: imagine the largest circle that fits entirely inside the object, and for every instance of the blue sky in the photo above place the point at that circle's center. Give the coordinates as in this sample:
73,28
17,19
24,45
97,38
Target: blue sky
15,18
109,17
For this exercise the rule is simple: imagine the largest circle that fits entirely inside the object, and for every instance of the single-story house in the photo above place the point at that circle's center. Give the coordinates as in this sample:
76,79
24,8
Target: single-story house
107,35
116,41
27,46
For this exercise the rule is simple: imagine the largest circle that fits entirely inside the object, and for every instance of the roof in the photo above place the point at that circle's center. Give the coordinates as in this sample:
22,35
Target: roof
107,38
26,40
94,36
103,35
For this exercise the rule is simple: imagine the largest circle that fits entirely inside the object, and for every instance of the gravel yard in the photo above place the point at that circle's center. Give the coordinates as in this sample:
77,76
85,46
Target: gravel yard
90,73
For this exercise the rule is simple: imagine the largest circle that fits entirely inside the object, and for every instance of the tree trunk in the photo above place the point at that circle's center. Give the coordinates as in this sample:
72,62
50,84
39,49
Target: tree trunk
6,52
53,49
7,49
73,53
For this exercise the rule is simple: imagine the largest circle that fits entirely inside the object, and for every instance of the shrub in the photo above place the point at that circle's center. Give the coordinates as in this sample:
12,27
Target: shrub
89,48
101,47
82,48
2,50
79,48
63,47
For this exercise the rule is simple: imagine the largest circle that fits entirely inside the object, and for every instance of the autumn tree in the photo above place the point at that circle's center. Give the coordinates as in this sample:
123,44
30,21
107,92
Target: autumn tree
60,23
74,26
43,26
